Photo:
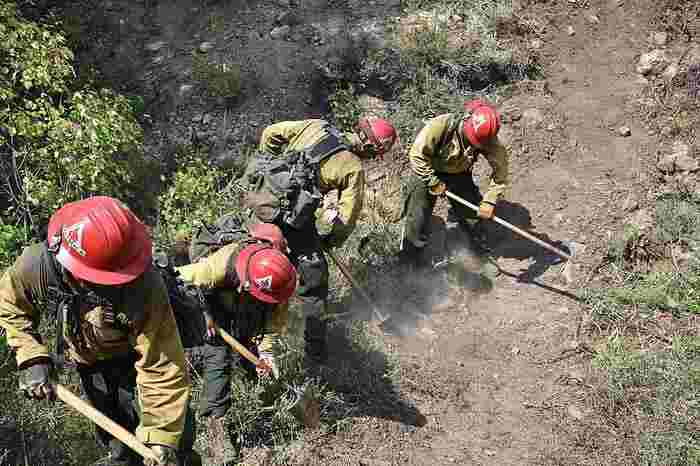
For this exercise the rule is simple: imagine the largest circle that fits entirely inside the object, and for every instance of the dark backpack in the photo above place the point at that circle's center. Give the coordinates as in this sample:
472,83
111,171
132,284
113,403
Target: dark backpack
209,238
187,301
290,181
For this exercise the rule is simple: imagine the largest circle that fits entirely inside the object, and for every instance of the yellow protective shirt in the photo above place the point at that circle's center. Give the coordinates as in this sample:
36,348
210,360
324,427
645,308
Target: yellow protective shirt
342,171
215,272
146,324
428,157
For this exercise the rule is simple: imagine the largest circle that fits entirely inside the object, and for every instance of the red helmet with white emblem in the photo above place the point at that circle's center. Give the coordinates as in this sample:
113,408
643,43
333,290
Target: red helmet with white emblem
271,233
266,273
483,123
379,132
100,240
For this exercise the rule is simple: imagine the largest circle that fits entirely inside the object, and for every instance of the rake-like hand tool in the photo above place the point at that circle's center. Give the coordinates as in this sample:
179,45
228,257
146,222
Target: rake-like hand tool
521,232
304,406
117,431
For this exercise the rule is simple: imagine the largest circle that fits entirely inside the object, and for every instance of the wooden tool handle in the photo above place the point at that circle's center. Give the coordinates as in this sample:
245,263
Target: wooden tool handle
511,227
357,286
119,432
235,344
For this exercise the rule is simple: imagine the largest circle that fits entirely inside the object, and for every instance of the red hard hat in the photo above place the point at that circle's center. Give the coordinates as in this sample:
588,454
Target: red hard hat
271,233
266,273
378,131
100,240
483,123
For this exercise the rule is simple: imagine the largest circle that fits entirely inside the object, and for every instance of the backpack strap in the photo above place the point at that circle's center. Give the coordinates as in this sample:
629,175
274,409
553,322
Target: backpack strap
455,123
331,144
64,302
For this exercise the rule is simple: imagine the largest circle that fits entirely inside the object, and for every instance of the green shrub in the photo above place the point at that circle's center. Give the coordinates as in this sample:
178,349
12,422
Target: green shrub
219,79
344,105
660,388
197,192
677,219
12,238
60,145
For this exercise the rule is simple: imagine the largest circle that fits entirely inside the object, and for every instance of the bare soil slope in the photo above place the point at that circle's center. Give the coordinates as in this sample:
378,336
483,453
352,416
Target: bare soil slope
499,376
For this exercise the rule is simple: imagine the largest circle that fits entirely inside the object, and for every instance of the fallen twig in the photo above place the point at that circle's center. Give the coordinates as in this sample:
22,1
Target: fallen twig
570,352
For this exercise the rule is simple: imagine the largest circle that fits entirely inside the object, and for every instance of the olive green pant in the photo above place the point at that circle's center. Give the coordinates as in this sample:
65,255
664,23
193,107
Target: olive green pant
111,388
420,203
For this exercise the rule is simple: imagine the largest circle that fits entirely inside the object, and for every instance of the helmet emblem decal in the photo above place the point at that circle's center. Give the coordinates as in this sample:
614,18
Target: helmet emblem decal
264,283
478,120
73,235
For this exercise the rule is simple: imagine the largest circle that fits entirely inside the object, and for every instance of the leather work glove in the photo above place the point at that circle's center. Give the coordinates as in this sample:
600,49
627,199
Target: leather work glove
438,189
34,380
331,216
166,456
486,210
267,365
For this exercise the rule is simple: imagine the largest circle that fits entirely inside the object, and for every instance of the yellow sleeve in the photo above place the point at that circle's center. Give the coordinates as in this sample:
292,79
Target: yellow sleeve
18,315
211,271
497,156
275,327
344,172
425,147
276,137
161,375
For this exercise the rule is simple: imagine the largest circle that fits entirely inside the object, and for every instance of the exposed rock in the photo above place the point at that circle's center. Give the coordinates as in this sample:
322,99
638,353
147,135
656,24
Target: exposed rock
624,131
660,38
204,47
667,131
593,19
642,219
631,203
537,44
511,114
652,63
533,117
280,32
155,46
575,412
667,163
287,18
686,182
670,72
570,30
684,158
185,90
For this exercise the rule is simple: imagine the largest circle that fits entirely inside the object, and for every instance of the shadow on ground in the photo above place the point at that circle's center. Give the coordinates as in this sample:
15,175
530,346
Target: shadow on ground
503,242
363,376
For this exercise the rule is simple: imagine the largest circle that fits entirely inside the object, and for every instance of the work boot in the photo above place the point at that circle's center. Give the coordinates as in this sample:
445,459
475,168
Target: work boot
316,339
219,450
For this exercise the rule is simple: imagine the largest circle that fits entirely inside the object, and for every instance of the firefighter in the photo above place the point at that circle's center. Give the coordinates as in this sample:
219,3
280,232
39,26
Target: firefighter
114,321
441,158
310,158
247,284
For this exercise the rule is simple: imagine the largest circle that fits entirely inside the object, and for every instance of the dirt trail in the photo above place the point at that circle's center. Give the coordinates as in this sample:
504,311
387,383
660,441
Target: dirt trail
480,372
